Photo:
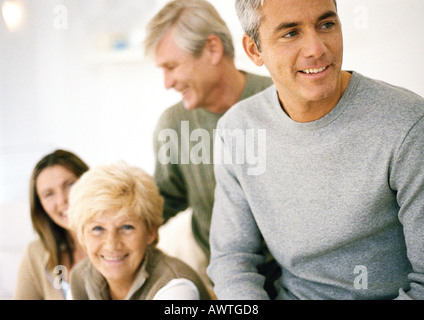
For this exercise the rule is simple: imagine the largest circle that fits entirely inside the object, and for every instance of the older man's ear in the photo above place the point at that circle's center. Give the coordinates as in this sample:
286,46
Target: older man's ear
215,49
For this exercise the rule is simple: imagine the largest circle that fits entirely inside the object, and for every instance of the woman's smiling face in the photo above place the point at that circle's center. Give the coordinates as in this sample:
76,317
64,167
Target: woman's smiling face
53,185
116,245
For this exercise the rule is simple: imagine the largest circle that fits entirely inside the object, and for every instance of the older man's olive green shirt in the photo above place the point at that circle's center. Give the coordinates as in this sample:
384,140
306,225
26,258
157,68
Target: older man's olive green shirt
188,179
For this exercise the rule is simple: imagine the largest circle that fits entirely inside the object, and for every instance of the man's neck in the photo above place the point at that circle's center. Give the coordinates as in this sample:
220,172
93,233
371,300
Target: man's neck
309,111
228,91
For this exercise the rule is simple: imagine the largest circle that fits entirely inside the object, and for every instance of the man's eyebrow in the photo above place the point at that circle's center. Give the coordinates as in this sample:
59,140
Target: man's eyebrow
287,25
326,15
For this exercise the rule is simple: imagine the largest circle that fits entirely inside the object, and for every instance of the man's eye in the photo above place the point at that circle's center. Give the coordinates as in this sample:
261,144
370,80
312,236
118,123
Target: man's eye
290,34
97,229
327,25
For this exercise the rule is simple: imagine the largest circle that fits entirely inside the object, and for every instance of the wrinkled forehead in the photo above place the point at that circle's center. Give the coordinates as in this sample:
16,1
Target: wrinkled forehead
113,217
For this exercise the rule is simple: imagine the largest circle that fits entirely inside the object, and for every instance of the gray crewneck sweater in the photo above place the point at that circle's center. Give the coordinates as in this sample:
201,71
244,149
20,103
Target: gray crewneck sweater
340,203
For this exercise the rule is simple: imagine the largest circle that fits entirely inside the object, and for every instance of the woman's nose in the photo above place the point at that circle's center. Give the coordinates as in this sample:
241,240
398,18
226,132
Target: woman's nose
62,200
112,241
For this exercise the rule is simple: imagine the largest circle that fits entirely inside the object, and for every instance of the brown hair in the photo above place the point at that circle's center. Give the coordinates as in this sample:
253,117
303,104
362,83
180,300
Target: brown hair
54,238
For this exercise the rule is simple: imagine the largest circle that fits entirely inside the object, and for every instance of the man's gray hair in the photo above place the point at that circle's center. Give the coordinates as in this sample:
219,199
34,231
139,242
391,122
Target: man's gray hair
194,22
249,13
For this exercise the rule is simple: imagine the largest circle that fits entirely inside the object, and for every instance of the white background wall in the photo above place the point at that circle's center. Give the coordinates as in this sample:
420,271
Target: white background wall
61,88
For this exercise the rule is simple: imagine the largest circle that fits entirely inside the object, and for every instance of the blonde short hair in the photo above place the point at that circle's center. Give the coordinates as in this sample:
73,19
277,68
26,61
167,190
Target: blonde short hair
194,22
55,239
118,187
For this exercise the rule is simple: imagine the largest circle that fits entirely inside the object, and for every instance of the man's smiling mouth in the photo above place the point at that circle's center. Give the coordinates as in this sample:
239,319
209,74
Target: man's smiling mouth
314,71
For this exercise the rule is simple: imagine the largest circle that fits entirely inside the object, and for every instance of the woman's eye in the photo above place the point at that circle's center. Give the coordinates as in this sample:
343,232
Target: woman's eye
97,229
48,195
70,184
127,227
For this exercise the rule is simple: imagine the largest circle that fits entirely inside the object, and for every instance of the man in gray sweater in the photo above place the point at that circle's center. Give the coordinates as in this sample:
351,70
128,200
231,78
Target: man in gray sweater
340,199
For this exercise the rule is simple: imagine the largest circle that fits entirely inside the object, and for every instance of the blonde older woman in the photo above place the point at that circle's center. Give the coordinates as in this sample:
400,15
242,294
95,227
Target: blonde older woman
116,211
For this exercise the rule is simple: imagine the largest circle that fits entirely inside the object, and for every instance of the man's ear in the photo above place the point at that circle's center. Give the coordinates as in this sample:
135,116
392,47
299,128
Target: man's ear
215,48
252,51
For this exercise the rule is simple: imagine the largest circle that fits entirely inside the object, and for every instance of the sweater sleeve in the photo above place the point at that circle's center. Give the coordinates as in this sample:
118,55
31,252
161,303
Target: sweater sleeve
407,179
235,240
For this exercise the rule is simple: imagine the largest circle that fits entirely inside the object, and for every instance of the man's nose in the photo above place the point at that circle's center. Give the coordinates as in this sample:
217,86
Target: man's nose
313,45
168,80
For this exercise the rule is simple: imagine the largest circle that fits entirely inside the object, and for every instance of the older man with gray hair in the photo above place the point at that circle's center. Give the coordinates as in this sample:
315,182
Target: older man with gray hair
191,43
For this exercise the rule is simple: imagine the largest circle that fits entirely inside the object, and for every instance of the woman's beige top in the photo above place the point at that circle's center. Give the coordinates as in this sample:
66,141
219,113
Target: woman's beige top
34,281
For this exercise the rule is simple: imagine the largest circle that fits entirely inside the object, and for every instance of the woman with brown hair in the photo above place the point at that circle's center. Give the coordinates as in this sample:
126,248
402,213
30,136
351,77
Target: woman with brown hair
47,262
